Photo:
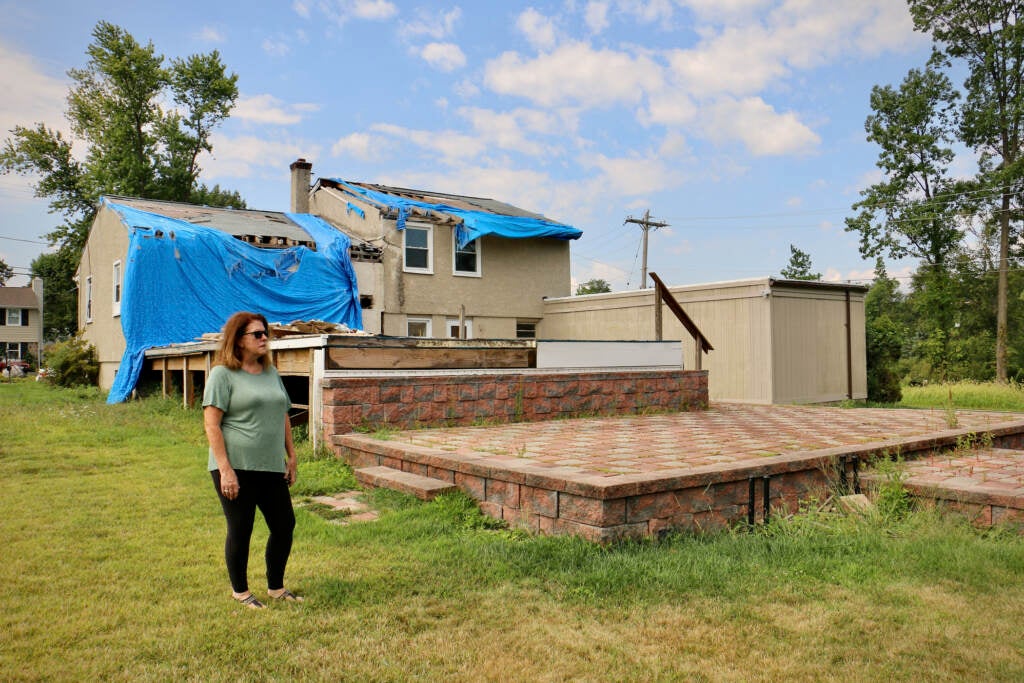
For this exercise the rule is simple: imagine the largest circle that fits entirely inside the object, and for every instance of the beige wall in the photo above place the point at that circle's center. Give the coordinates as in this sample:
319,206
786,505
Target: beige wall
771,343
107,243
515,274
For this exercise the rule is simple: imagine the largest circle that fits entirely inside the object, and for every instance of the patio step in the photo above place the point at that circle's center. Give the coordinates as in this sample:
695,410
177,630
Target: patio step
424,488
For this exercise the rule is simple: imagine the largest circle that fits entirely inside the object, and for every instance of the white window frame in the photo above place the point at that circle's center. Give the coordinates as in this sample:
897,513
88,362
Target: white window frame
13,317
88,298
453,323
455,258
426,322
116,288
429,229
13,351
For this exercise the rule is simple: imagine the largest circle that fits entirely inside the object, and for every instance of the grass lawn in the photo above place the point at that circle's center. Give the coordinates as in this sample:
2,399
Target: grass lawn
113,570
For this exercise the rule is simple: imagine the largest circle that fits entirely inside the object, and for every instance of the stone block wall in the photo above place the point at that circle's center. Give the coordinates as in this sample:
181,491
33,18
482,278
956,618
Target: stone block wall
411,401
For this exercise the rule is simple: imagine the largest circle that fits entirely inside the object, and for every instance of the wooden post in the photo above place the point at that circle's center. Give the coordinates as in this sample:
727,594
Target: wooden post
657,311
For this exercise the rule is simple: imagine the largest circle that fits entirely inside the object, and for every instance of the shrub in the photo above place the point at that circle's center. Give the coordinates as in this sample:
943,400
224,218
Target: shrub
73,363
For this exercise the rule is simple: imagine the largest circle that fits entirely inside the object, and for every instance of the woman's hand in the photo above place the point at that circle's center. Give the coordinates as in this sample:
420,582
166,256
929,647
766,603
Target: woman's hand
291,470
229,483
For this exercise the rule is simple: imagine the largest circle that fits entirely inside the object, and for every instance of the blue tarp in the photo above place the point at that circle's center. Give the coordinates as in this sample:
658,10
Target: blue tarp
474,223
182,280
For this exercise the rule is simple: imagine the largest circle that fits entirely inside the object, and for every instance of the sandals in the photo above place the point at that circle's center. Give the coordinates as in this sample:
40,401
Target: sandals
287,596
251,602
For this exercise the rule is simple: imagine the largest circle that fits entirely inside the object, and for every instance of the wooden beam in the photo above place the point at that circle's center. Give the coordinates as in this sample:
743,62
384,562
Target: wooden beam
425,359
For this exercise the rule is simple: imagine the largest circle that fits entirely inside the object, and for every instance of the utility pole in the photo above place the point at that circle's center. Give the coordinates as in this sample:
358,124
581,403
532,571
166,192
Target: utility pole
645,223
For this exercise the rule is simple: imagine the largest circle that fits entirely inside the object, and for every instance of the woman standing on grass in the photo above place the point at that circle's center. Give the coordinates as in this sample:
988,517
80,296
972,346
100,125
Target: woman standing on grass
252,459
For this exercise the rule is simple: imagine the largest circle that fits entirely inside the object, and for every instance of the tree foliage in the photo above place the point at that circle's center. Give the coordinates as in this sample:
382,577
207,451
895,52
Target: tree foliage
6,272
988,38
799,266
593,286
134,143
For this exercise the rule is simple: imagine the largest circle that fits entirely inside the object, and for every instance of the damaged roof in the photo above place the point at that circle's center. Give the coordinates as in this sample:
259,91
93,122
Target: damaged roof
242,223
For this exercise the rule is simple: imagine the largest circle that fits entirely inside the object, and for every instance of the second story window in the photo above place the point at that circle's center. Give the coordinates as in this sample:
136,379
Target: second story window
88,299
417,242
467,258
117,288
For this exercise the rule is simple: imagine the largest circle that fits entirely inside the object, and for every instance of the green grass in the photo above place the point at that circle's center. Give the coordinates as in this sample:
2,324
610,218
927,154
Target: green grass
113,570
966,396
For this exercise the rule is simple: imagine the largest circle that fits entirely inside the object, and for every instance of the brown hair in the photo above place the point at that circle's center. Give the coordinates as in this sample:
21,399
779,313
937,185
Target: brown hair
227,352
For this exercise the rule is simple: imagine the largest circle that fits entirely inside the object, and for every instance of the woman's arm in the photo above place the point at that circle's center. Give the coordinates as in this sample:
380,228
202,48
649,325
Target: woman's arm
289,447
212,417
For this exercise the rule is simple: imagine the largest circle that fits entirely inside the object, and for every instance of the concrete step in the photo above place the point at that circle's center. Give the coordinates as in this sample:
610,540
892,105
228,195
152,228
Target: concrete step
424,488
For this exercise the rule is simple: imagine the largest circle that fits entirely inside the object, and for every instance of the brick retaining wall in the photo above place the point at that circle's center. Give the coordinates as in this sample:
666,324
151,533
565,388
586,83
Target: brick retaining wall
407,401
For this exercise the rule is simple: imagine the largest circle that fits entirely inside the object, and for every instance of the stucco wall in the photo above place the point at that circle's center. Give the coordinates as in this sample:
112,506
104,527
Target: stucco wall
107,243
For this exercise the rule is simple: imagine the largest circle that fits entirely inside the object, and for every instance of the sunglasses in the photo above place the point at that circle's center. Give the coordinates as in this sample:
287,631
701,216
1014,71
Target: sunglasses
257,334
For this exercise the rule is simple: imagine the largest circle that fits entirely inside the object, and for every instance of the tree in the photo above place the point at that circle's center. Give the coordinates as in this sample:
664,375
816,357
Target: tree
989,37
133,145
915,210
60,295
799,267
6,272
885,335
594,286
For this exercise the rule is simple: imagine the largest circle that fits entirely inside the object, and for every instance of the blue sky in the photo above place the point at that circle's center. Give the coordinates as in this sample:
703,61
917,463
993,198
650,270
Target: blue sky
738,122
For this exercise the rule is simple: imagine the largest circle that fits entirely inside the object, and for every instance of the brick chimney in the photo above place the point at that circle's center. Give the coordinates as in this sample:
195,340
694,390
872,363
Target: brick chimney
301,173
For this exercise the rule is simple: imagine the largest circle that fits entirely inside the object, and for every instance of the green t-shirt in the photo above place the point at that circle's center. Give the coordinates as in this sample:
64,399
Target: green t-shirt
253,426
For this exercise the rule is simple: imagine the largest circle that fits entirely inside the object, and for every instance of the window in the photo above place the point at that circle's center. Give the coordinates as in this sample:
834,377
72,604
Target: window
116,281
13,316
417,327
467,258
13,351
526,329
417,241
452,325
88,299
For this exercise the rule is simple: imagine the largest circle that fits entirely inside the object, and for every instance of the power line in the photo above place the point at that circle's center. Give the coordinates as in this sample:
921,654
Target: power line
645,223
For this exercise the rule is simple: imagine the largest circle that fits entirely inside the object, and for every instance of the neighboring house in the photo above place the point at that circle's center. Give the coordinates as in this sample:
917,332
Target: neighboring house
154,273
21,321
452,266
775,341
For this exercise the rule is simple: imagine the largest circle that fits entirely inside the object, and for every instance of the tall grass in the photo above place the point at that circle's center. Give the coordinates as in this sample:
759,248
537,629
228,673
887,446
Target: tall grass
966,395
113,570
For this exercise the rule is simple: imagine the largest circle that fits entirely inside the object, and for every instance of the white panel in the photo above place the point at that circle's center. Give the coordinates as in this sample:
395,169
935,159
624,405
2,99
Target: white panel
608,354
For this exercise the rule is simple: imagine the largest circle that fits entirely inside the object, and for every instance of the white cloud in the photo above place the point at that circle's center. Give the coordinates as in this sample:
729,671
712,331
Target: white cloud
674,145
595,16
758,126
30,95
724,9
636,175
501,129
466,89
443,56
301,7
451,145
432,25
373,9
267,109
538,29
669,108
276,48
208,34
247,156
574,73
359,145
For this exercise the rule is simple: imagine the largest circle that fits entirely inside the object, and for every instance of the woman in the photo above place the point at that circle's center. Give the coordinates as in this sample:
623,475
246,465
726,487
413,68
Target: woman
252,458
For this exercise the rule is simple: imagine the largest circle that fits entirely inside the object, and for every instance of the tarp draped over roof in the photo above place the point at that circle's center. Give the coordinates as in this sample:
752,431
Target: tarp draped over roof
473,223
182,280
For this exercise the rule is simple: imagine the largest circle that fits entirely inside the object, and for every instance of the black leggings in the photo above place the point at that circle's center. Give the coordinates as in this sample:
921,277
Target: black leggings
267,491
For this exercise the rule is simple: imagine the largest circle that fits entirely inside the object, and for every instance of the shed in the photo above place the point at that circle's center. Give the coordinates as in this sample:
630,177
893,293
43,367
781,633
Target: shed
776,341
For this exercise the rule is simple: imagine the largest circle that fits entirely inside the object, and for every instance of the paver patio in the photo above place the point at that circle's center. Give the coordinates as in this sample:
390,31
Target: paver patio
610,477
